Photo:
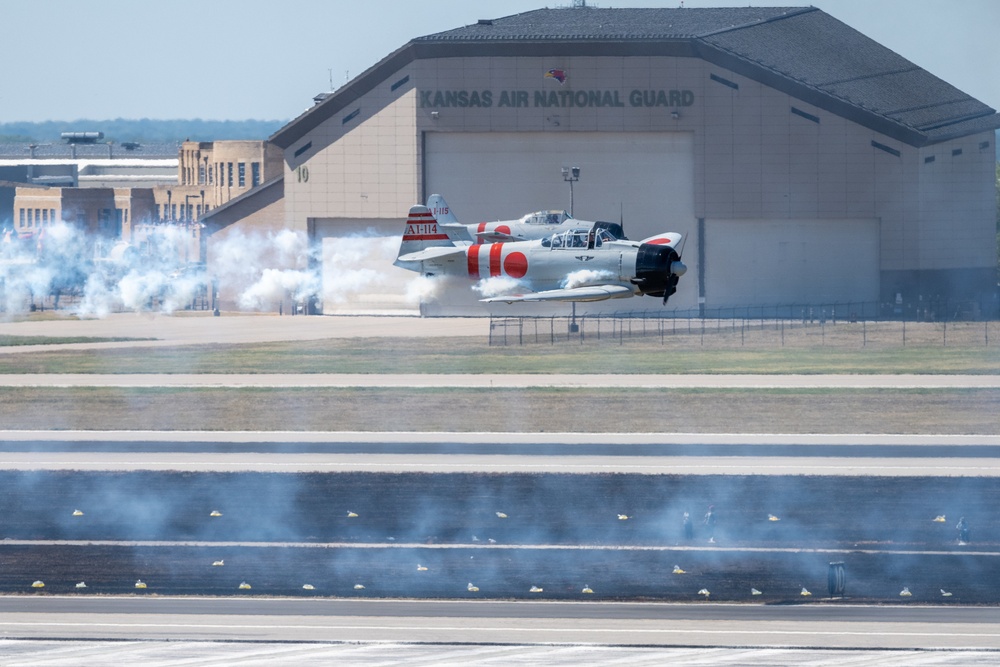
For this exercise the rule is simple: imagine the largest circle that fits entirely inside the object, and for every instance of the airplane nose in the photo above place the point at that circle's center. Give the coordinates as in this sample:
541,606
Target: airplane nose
678,268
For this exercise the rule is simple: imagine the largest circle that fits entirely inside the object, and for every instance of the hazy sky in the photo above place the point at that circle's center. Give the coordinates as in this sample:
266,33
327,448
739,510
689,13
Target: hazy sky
265,59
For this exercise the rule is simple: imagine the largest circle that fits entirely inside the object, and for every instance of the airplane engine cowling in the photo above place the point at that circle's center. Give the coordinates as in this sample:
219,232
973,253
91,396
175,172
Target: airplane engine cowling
657,270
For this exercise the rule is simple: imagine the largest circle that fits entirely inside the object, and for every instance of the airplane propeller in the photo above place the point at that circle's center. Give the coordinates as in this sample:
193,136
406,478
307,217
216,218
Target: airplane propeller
675,269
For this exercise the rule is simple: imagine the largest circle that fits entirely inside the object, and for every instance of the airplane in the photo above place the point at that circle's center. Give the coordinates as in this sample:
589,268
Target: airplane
591,263
532,226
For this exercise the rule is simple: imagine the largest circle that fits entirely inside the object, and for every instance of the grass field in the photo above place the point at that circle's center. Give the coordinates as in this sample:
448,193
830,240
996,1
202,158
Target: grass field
799,350
682,354
968,411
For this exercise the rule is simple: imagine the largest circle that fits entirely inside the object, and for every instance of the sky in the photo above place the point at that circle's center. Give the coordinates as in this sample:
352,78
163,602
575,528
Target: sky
264,59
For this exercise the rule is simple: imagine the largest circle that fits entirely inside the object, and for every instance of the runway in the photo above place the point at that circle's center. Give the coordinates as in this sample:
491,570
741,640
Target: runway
457,622
648,453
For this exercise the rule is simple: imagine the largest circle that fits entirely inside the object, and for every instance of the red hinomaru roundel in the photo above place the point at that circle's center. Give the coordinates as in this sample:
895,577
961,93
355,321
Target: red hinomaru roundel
515,264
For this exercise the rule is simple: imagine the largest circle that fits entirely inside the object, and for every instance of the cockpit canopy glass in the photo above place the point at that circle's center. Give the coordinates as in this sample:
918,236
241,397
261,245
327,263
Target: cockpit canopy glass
547,218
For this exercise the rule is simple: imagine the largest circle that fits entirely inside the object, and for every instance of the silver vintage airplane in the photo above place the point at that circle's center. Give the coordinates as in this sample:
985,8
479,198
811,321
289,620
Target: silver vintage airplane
526,228
590,263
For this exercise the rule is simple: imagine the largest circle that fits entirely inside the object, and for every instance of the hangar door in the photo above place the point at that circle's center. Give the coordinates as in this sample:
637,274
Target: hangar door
644,179
788,262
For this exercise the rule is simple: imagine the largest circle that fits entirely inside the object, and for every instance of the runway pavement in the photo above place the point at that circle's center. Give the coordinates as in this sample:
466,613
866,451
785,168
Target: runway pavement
202,328
650,453
458,622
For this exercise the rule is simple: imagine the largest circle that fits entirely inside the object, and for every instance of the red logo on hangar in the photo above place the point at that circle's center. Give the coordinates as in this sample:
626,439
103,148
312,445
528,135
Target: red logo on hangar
557,74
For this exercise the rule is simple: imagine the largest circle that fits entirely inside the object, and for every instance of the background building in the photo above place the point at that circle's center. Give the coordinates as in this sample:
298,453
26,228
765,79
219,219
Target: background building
806,163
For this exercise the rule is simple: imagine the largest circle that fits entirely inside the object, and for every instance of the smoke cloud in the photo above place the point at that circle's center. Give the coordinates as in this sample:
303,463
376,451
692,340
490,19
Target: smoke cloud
586,277
497,286
93,277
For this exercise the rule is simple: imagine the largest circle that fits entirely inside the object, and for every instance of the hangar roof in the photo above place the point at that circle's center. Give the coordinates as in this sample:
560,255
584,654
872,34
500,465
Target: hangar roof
799,50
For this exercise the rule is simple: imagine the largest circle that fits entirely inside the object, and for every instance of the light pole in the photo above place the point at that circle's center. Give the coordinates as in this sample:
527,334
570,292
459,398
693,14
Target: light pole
571,175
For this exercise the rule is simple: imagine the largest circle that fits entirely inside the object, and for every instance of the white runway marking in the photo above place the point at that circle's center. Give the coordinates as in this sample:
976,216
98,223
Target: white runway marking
498,381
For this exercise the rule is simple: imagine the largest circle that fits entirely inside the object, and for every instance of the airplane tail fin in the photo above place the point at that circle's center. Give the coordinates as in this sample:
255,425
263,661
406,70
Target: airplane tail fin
440,209
447,222
421,232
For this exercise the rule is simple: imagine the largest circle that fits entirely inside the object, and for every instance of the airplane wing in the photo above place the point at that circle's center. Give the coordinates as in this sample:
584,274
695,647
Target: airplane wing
432,253
588,293
495,237
669,238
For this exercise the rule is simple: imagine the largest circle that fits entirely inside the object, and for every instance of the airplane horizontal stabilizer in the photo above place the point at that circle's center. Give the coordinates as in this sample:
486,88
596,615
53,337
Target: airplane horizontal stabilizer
588,293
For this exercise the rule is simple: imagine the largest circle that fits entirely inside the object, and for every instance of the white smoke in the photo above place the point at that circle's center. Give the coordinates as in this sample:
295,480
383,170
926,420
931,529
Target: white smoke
422,289
497,286
257,270
586,277
276,284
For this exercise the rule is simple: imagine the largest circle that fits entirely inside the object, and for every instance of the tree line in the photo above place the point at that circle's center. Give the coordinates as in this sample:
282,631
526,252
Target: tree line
142,130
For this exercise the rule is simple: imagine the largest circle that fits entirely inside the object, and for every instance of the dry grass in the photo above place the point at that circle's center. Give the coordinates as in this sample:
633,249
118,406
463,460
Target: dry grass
707,347
528,410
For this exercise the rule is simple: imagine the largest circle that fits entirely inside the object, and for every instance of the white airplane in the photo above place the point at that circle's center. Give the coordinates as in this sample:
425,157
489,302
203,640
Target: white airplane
532,226
581,264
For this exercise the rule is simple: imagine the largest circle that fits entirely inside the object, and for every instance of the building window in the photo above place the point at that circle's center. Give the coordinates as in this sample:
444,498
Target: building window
201,174
805,114
242,169
210,170
229,170
45,216
21,215
888,149
31,217
52,216
724,82
254,174
173,211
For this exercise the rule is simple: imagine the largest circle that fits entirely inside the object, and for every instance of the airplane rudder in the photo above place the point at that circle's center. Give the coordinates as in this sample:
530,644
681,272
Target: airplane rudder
441,210
421,231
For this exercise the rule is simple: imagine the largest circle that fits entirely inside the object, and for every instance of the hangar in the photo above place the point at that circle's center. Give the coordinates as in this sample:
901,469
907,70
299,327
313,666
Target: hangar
806,163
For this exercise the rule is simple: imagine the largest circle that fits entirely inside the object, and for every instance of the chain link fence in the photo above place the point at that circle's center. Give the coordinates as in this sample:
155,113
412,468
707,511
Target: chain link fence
814,326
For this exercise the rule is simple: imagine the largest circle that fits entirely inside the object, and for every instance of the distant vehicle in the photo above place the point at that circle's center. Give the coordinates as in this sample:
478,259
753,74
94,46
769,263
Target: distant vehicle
532,226
583,263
